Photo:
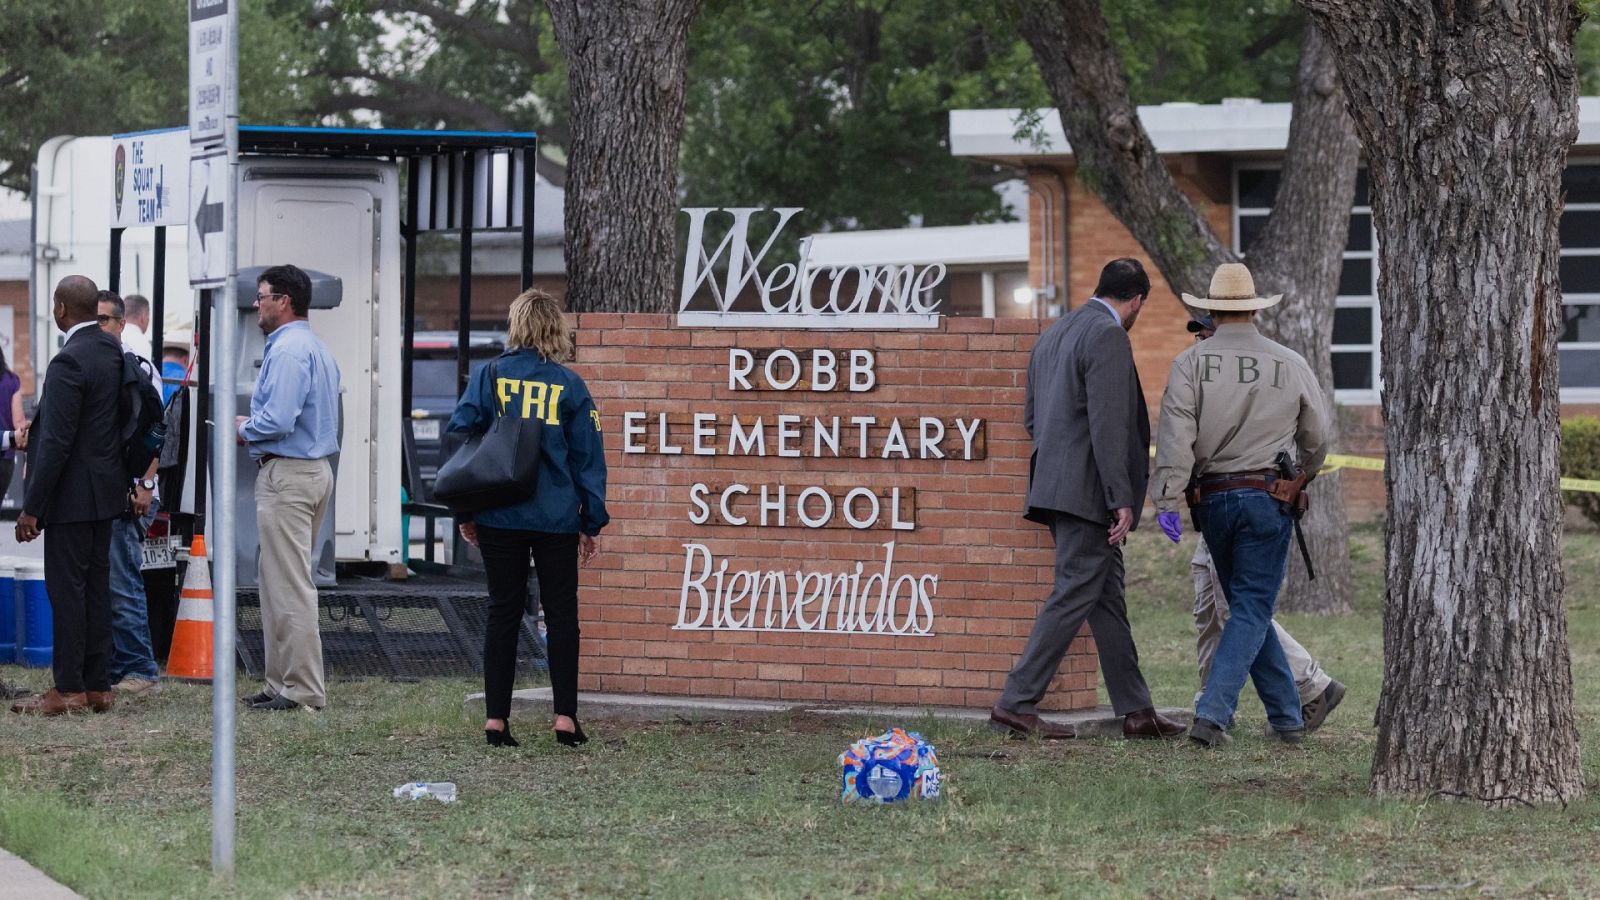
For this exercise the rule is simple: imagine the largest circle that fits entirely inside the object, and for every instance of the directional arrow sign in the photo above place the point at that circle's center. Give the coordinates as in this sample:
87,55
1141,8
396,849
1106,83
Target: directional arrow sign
208,218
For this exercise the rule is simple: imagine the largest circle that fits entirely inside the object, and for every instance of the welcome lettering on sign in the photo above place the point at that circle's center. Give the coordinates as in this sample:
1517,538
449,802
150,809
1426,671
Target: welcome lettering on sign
872,593
882,297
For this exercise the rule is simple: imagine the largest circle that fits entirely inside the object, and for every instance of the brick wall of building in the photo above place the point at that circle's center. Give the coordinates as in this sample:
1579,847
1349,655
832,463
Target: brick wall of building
1093,235
992,567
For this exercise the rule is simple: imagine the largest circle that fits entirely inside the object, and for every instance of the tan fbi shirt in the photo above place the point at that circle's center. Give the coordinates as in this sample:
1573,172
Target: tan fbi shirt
1232,402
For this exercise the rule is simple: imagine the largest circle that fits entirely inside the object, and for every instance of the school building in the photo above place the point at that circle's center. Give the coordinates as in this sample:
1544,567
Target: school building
1227,158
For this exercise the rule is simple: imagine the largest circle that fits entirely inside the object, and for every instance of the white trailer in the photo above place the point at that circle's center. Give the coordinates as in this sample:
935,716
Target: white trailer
343,202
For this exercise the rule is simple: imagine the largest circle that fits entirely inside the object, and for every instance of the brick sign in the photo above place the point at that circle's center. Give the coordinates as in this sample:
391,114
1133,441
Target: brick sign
816,516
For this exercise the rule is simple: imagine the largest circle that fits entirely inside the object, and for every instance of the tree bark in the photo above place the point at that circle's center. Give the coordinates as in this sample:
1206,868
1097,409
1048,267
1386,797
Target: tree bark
1114,156
1299,254
1467,109
626,62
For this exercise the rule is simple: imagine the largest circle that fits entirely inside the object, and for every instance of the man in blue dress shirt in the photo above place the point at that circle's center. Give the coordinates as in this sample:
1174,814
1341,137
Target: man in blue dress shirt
292,430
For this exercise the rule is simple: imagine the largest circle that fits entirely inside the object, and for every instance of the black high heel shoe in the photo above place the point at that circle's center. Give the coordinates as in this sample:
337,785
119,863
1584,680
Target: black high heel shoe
500,738
572,738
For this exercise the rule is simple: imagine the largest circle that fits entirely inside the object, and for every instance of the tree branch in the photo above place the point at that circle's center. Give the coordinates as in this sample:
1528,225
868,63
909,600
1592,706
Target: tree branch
1115,158
1118,163
321,15
1301,254
512,37
1311,215
415,100
1285,28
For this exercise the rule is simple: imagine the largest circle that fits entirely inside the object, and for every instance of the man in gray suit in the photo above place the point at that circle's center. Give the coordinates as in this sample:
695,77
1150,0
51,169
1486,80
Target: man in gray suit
1086,414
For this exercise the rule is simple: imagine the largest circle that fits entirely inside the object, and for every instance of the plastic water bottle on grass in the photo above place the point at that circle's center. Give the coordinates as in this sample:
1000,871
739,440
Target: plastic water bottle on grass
442,791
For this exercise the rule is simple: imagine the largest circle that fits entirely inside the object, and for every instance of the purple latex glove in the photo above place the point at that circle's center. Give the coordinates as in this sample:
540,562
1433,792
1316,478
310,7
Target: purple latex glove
1171,525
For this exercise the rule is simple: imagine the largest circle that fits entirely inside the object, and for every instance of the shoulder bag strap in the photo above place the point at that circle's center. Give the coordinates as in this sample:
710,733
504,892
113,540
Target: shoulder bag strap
494,388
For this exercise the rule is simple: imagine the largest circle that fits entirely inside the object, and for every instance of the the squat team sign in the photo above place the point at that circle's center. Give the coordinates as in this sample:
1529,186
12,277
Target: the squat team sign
875,594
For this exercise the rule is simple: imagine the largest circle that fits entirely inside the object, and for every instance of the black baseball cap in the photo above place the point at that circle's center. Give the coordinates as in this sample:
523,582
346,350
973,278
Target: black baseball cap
1202,323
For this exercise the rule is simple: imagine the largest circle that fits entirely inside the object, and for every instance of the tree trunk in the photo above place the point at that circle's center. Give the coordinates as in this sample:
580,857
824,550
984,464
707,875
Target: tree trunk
1299,254
1113,154
626,64
1467,109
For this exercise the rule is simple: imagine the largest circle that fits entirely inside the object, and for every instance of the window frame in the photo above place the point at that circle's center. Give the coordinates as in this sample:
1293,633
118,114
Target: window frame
1373,396
1343,396
1590,394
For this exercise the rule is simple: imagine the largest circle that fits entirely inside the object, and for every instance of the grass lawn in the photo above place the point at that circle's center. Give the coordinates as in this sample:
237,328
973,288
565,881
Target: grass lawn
118,805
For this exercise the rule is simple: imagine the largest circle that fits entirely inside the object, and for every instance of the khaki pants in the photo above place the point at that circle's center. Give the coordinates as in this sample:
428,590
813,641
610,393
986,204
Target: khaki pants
1211,613
291,502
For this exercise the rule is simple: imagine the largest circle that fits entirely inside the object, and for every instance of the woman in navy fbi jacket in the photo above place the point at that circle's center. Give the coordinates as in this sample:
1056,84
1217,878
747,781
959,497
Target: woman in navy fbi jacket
558,528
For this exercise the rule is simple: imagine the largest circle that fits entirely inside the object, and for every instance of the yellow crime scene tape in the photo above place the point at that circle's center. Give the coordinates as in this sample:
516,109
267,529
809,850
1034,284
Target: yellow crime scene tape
1336,461
1374,464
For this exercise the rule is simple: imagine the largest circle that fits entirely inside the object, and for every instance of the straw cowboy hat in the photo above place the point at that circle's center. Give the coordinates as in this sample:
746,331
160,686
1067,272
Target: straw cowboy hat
1232,290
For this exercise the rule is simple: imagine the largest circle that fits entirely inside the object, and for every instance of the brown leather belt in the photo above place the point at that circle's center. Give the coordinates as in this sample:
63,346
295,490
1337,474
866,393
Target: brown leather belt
1260,479
263,459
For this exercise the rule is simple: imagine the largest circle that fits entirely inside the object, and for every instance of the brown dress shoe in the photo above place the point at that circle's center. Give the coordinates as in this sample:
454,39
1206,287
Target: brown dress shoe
1024,724
53,703
101,701
1147,723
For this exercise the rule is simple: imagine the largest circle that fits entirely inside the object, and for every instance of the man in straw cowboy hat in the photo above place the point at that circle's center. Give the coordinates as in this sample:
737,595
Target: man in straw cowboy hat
1233,404
1319,692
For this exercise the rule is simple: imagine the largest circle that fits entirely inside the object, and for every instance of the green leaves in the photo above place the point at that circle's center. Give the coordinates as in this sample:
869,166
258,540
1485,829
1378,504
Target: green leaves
842,106
1180,50
1586,49
104,66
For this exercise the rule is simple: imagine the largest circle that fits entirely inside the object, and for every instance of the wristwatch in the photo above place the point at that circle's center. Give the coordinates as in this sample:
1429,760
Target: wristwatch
145,483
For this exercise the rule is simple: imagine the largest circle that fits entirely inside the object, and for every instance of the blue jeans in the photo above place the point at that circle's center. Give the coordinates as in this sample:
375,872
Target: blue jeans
1249,538
130,615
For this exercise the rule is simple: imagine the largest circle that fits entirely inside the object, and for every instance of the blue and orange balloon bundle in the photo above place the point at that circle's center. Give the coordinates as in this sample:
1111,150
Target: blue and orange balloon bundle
895,765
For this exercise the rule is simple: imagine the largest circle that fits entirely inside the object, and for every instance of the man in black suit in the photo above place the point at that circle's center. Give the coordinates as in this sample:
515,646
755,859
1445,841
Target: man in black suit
1085,411
76,486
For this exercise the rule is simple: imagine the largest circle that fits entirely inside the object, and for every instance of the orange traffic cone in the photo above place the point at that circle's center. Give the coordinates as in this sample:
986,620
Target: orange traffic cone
190,657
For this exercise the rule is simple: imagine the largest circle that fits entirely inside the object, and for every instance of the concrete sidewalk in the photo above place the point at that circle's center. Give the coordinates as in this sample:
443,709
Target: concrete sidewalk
20,881
1090,723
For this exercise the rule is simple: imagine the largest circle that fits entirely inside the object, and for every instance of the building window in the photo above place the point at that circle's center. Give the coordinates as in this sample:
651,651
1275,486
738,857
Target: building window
1580,277
1357,328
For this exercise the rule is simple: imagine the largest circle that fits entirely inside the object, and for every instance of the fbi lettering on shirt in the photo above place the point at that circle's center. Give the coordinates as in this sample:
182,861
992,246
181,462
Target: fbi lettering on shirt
1241,369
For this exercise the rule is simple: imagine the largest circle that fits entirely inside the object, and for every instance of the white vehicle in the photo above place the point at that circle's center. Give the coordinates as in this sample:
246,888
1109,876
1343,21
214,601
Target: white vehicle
327,200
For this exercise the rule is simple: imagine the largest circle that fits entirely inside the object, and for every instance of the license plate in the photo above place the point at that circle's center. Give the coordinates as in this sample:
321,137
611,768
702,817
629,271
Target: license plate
158,554
425,429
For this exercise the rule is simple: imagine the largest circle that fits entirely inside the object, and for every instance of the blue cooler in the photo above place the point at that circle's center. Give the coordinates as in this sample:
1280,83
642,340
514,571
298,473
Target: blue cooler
10,616
38,635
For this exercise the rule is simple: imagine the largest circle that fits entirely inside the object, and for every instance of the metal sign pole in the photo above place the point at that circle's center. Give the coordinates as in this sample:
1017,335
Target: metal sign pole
224,384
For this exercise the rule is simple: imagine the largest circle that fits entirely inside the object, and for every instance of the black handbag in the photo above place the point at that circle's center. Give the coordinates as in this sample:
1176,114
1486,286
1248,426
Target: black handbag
499,467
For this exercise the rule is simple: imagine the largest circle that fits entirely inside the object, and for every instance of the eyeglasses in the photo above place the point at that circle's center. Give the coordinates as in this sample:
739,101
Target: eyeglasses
261,297
104,319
